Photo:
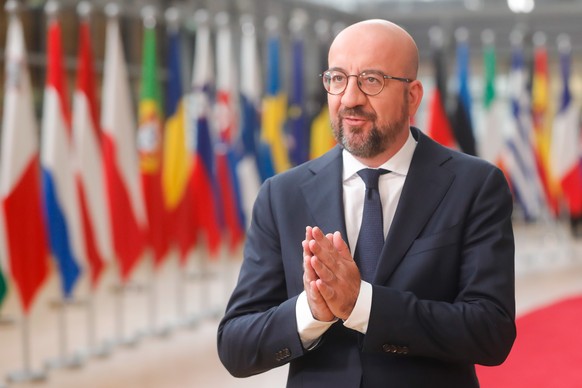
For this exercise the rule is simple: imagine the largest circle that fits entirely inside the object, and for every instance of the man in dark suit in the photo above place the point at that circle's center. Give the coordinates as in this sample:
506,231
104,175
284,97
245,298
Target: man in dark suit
435,299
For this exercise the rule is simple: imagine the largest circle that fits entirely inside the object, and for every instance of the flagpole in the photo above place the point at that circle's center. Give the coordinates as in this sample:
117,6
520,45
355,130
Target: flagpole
180,293
95,350
154,329
64,360
26,374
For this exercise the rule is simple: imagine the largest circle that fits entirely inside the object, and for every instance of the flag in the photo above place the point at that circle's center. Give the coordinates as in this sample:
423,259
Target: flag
565,153
521,165
228,131
273,150
248,166
149,143
297,119
439,126
90,175
61,200
322,137
177,155
542,131
3,256
461,121
203,184
3,287
126,205
493,142
20,182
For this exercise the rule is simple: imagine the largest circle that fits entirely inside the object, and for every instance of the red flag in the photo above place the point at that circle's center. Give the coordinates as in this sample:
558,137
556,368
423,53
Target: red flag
566,150
228,129
439,127
26,237
177,164
542,133
150,146
203,184
126,204
90,175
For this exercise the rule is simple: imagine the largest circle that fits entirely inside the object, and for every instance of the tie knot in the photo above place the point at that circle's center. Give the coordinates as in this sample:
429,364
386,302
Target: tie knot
370,176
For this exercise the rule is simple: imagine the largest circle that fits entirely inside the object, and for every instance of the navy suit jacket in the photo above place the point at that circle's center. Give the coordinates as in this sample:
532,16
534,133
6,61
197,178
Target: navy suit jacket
443,295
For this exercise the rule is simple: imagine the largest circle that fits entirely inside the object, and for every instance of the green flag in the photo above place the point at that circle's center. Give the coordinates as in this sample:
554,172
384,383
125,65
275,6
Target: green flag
2,287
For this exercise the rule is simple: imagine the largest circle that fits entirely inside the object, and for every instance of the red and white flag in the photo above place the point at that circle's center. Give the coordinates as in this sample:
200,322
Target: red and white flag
26,239
90,175
566,152
126,203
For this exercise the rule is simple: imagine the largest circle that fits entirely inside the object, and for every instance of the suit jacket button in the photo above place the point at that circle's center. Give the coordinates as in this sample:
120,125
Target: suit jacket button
282,354
389,348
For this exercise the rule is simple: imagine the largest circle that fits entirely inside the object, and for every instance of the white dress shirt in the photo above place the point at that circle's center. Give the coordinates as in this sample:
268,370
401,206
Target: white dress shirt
390,187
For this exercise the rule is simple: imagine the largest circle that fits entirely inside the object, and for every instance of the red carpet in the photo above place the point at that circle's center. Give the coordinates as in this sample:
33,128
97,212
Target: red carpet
547,352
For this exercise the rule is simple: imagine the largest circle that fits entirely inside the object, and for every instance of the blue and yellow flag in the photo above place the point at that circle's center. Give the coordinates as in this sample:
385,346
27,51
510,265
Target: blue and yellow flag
274,148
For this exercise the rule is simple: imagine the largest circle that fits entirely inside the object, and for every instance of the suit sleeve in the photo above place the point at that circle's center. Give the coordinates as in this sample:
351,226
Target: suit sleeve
477,324
259,329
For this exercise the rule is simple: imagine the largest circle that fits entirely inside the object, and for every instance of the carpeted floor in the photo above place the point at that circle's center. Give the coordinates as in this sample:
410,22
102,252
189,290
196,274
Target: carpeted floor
547,352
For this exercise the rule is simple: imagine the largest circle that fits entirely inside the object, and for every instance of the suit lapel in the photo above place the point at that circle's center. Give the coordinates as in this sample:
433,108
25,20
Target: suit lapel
323,192
426,184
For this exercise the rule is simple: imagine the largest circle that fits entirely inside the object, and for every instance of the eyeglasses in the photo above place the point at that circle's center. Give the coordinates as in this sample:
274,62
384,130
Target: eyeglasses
370,82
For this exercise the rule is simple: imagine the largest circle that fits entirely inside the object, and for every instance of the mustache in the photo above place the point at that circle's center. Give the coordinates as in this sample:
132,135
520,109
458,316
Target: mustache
357,111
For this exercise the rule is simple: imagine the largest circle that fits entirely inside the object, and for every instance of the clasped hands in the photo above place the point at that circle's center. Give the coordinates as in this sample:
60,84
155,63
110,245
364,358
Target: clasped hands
331,277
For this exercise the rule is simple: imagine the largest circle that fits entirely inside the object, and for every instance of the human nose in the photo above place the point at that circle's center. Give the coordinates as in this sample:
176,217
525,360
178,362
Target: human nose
353,95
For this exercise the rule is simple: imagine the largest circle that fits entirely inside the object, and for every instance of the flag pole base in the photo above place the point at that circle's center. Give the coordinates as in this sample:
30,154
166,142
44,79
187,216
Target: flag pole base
6,321
26,376
101,351
75,361
161,331
191,321
129,341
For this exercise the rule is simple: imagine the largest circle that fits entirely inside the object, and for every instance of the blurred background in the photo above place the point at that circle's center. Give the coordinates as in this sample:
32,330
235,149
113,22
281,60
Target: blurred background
135,135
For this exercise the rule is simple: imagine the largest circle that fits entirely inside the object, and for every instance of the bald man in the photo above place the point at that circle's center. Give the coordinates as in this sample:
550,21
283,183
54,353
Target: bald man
411,294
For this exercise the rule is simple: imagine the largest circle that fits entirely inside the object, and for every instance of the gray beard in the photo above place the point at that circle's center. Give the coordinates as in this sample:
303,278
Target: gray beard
377,140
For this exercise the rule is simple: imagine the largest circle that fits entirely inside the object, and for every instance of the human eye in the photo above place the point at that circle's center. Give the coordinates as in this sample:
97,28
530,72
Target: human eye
337,78
371,79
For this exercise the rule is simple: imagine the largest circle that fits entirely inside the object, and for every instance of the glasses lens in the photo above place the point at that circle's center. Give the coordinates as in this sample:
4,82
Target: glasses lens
334,81
371,83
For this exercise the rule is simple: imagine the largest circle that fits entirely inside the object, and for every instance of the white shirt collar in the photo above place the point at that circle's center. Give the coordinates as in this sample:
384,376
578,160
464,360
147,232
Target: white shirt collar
398,164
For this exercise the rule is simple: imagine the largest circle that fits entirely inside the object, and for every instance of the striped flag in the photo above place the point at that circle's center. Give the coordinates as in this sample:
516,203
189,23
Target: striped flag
149,143
248,167
322,137
204,187
228,131
439,127
521,164
542,130
59,186
297,119
177,155
461,120
566,155
493,143
90,175
274,150
20,183
126,204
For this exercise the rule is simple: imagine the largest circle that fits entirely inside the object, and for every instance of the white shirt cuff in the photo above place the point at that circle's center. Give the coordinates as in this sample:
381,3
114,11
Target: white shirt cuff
360,316
308,328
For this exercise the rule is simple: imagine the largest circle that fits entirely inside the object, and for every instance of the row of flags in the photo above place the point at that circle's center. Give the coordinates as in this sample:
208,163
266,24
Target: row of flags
107,182
540,152
110,182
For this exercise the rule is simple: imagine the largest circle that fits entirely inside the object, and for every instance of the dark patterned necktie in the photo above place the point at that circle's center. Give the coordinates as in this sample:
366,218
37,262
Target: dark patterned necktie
371,237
